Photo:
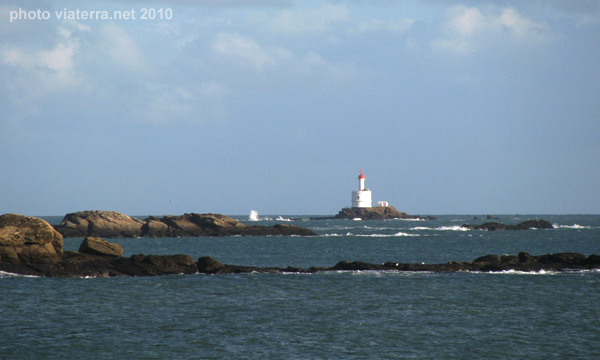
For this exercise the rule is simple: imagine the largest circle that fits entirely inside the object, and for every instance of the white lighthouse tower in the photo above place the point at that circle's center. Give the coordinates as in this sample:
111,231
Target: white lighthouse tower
362,197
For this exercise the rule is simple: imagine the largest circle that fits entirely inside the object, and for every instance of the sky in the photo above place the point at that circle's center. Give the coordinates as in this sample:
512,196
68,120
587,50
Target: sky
449,107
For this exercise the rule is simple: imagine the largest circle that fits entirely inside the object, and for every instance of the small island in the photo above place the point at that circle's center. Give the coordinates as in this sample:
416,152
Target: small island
362,207
375,213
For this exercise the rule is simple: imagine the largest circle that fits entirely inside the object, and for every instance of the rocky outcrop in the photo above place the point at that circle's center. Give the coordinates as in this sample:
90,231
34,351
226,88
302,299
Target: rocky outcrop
488,263
374,213
525,225
97,246
76,264
26,239
110,224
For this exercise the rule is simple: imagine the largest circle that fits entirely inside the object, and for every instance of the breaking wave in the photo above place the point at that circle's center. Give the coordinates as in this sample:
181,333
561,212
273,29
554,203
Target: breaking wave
384,235
442,228
398,234
574,226
4,275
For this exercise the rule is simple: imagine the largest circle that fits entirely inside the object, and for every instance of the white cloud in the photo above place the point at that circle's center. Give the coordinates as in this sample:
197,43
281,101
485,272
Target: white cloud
122,50
315,64
43,70
164,104
467,21
245,48
520,26
400,26
313,20
467,28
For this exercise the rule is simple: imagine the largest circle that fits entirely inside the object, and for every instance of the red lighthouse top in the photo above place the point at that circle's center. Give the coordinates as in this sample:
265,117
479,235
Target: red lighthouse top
361,176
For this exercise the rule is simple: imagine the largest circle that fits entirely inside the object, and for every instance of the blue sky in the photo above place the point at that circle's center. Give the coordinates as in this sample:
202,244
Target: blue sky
450,107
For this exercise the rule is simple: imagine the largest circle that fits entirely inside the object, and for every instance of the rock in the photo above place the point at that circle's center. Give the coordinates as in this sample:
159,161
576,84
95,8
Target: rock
98,246
110,224
81,264
534,224
525,225
168,264
488,259
358,265
563,258
106,224
525,257
593,260
28,240
208,265
509,259
373,213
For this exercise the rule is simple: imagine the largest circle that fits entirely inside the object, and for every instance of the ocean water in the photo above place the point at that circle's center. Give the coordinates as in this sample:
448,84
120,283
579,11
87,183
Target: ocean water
356,315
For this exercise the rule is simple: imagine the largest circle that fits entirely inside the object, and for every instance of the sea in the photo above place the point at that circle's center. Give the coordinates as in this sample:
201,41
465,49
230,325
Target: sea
333,315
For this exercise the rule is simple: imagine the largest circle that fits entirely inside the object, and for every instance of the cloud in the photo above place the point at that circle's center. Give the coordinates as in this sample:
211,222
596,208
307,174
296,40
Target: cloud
122,50
310,20
467,28
167,103
36,70
245,48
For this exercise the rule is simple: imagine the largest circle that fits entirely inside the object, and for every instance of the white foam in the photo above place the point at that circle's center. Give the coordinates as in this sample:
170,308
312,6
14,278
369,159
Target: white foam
442,228
409,219
385,235
253,215
574,226
4,274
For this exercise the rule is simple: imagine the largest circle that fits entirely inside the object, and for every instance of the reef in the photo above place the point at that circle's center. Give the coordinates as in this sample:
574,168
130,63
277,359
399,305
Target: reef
30,246
525,225
111,224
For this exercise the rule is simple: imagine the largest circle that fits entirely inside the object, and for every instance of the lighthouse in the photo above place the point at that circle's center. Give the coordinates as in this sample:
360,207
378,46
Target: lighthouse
362,197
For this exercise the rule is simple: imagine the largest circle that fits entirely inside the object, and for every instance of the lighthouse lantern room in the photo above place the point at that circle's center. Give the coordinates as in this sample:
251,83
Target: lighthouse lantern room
362,197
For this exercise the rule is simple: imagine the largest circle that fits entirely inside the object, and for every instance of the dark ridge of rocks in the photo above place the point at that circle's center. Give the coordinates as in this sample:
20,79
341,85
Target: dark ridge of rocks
111,224
487,263
525,225
375,213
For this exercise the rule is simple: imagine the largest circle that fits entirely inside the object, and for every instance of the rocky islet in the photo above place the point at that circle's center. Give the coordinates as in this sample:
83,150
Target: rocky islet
111,224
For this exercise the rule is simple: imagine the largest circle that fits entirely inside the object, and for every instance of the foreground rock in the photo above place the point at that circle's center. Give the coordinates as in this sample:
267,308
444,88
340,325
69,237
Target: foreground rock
111,224
26,239
374,213
525,225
